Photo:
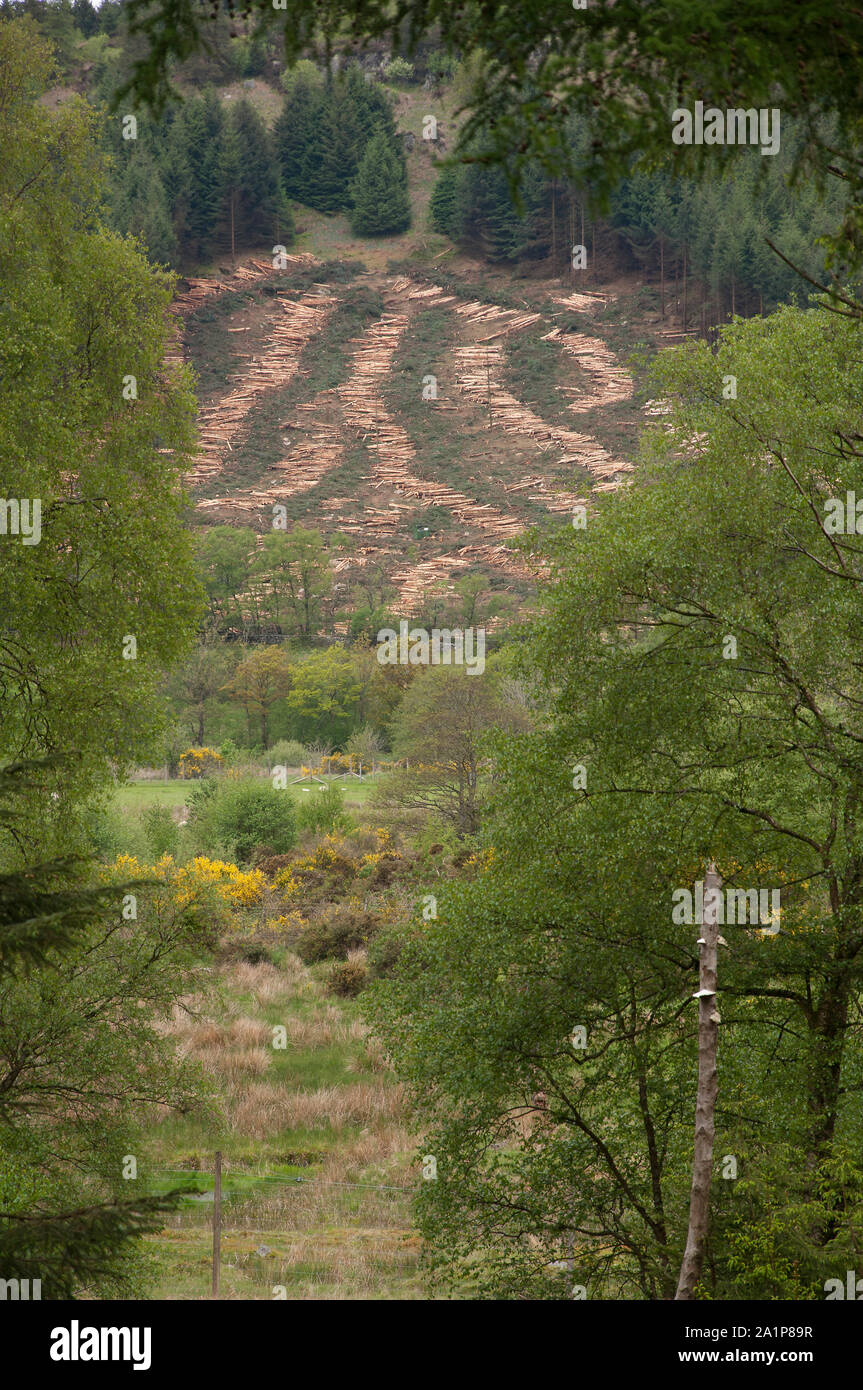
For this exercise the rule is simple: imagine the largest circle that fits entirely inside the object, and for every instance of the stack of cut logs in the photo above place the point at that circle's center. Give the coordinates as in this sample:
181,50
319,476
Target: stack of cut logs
366,411
609,382
553,500
220,424
414,583
586,303
478,376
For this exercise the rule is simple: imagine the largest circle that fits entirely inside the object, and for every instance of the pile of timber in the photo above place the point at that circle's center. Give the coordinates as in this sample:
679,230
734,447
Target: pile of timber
584,303
475,312
471,311
553,499
199,289
424,296
308,461
203,287
478,376
390,444
497,556
413,583
220,424
609,382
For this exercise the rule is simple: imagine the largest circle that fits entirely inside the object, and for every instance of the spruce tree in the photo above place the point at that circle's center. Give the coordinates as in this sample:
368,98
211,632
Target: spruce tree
338,147
141,207
443,203
200,135
251,178
380,190
294,133
52,1230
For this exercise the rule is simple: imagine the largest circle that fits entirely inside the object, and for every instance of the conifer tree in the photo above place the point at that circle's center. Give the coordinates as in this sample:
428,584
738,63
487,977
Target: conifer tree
443,203
141,207
253,188
338,145
293,134
380,190
200,135
64,1236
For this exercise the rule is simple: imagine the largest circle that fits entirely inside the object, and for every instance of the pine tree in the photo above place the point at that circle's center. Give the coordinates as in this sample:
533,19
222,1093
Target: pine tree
380,190
45,1234
141,207
294,132
443,202
253,186
199,137
340,141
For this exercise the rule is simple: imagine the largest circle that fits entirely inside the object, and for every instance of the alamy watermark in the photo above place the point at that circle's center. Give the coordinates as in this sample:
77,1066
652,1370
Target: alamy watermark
751,907
440,647
21,516
20,1290
733,126
844,516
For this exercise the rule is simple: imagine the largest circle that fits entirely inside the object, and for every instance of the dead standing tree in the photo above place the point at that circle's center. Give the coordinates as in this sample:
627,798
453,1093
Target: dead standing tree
705,1105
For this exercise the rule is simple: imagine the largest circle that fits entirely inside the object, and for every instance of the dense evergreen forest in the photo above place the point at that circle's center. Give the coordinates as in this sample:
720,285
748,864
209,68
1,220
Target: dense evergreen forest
201,180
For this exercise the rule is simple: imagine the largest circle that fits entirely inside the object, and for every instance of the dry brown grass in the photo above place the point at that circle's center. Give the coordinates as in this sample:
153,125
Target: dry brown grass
234,1064
374,1057
269,985
325,1028
261,1109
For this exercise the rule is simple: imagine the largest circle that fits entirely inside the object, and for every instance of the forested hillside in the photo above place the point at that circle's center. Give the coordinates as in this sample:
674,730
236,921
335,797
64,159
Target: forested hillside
430,861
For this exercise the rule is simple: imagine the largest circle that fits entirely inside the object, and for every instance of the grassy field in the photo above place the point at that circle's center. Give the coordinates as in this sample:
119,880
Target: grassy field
318,1164
135,797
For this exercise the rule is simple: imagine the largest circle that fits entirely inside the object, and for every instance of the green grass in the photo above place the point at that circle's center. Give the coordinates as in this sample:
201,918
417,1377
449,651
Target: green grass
335,1219
137,796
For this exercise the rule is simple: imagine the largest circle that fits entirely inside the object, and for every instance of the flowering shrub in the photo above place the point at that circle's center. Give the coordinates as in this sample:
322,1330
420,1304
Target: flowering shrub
332,866
189,882
200,762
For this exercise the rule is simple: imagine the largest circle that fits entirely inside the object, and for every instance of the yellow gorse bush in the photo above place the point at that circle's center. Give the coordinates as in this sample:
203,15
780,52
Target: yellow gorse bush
237,887
330,854
197,762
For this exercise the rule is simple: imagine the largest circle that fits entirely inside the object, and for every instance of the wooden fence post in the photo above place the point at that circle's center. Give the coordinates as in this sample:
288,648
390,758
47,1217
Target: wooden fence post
705,1105
217,1222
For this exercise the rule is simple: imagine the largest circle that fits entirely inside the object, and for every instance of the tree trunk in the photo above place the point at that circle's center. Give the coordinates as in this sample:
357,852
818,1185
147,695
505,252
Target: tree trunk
662,275
705,1106
553,226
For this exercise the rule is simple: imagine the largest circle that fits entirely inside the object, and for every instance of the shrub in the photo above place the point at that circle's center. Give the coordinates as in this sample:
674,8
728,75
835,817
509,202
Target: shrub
287,752
200,762
304,71
347,978
249,815
398,70
202,802
230,753
163,835
322,812
103,832
345,929
441,66
386,948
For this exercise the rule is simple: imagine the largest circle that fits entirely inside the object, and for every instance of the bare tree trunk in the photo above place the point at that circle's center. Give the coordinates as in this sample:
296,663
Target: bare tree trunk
705,1105
662,273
